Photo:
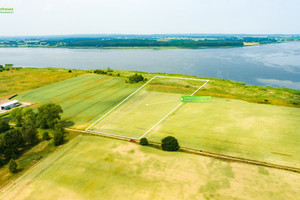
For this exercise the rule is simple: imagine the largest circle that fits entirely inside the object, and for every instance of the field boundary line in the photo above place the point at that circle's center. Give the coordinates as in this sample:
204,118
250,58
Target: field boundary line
115,135
119,104
205,153
170,77
171,111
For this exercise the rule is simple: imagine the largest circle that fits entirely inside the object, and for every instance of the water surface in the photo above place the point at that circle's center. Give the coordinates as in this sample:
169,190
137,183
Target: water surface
273,64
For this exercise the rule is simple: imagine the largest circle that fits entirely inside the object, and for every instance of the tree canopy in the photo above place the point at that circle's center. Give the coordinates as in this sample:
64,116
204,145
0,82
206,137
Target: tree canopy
59,134
144,141
136,78
16,116
169,144
12,142
4,126
48,115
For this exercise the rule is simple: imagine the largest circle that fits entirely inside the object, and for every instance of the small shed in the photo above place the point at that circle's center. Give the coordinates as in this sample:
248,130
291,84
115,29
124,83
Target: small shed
8,105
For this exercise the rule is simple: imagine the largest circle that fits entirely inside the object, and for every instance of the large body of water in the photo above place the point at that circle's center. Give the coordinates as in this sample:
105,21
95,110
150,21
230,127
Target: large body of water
273,64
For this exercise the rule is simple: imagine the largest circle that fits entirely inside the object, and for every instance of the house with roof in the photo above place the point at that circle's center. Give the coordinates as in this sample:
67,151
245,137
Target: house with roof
7,104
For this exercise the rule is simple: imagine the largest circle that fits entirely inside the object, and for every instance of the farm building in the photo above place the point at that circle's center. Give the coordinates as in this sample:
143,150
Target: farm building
9,104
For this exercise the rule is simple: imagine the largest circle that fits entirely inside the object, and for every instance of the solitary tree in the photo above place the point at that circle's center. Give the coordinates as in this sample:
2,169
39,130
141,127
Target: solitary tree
12,166
169,144
144,142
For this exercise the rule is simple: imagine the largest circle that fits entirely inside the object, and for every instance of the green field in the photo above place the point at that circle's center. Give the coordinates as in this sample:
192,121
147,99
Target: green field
17,81
145,108
237,128
226,126
91,167
31,156
84,99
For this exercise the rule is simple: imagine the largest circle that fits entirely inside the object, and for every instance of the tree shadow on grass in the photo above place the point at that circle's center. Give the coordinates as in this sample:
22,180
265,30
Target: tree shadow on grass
68,123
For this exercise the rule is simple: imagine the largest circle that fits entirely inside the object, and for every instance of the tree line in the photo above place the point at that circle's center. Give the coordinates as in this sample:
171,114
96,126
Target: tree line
8,67
15,139
152,43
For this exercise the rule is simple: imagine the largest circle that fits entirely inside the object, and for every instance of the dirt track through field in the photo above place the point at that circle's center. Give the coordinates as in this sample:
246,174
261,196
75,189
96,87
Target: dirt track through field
207,154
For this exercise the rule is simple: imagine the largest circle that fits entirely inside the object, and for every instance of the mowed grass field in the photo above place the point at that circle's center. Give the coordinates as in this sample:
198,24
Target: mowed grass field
226,126
145,108
31,157
17,81
91,167
238,128
84,99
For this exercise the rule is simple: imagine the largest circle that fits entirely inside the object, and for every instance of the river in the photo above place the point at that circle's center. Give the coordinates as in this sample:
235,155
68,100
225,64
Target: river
272,64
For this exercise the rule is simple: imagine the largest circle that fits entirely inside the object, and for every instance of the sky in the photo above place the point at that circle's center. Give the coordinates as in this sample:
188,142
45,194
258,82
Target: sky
62,17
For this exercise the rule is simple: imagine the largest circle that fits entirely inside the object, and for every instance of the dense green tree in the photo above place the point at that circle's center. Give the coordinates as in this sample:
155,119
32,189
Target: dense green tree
12,166
16,116
30,135
4,126
144,141
29,130
28,117
169,144
48,115
12,142
46,136
59,134
1,162
2,146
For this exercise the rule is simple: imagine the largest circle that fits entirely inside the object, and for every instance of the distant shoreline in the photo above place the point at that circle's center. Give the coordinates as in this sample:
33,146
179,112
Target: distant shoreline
246,44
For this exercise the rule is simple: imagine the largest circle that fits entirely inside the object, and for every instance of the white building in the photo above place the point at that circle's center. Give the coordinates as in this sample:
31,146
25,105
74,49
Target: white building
9,105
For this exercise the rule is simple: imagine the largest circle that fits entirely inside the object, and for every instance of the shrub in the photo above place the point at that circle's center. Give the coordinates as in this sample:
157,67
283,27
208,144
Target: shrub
135,78
100,71
169,144
12,166
46,136
70,71
144,142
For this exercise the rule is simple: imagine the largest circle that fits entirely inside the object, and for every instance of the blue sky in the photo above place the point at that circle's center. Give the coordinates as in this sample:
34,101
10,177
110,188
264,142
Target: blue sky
51,17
